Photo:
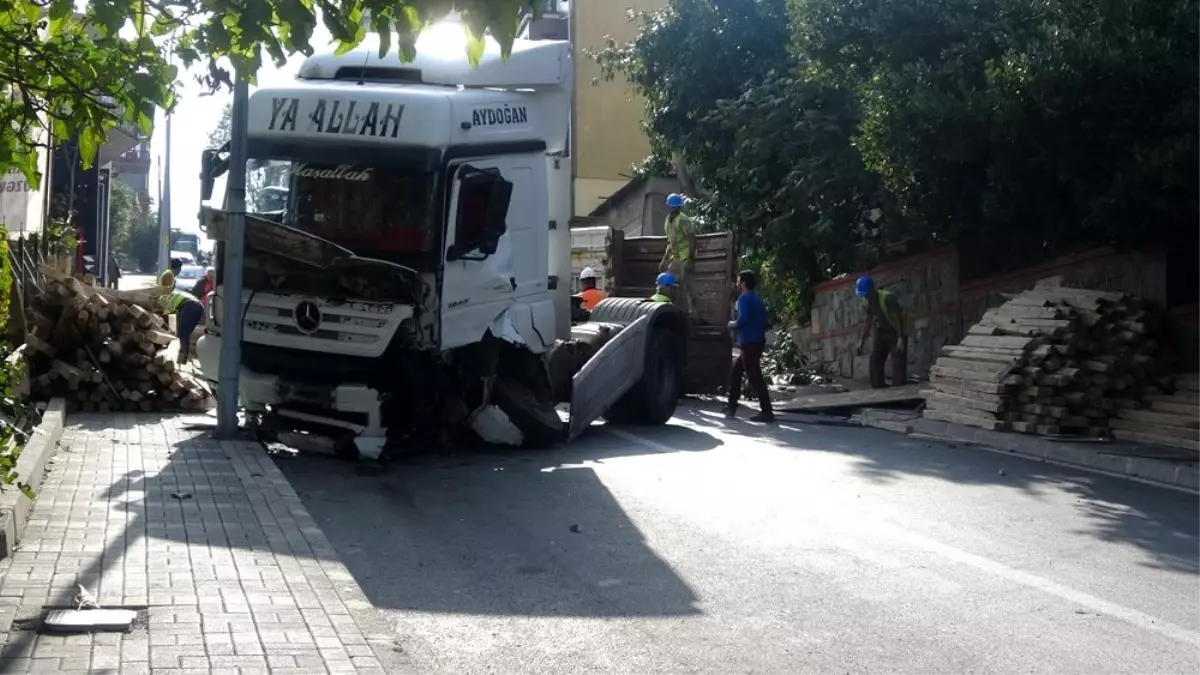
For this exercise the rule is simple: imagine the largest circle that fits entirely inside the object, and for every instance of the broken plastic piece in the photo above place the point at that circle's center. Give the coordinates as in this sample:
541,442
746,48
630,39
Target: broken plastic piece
86,620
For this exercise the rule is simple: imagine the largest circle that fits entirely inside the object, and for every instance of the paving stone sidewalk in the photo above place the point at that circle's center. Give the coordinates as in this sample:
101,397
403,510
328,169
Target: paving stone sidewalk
234,575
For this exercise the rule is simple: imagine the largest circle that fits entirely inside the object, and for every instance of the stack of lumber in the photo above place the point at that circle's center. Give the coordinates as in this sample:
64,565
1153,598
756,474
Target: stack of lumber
104,350
1172,419
1053,361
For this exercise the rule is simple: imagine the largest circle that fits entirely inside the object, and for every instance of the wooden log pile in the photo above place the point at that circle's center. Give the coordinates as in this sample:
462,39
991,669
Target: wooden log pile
105,350
1172,419
1054,361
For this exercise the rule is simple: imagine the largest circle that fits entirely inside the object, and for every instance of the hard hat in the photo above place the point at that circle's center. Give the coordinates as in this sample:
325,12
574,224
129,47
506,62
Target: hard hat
675,201
666,279
864,286
588,273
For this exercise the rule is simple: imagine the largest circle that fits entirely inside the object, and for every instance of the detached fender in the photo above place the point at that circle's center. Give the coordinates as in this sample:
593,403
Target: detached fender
619,364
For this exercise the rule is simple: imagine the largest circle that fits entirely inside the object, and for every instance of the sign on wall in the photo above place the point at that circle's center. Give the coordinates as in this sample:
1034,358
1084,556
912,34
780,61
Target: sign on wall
15,196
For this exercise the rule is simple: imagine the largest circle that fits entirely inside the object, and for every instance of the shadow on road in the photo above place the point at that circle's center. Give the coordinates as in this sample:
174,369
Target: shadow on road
495,533
1163,523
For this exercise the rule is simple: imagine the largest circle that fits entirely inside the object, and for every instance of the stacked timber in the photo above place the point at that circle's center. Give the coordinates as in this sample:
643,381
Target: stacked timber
1164,419
105,350
1054,361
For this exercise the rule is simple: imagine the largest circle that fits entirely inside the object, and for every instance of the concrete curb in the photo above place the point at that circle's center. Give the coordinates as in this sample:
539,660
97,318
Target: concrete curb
31,468
1122,460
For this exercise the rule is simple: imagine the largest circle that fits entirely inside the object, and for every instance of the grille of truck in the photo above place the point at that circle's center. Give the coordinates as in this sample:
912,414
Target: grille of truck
349,328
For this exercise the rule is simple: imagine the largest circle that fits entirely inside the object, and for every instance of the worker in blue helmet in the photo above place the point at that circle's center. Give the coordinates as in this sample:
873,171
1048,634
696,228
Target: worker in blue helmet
677,256
664,288
886,319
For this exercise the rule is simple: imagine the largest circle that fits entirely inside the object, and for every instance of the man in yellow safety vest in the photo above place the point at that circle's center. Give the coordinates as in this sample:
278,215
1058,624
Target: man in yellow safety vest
678,254
886,318
190,311
166,280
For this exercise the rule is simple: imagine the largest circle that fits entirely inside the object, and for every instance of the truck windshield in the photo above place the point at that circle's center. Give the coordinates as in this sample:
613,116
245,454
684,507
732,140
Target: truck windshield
369,210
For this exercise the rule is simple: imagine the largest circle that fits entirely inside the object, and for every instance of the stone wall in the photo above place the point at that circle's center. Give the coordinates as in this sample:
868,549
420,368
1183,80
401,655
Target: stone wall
927,287
1102,269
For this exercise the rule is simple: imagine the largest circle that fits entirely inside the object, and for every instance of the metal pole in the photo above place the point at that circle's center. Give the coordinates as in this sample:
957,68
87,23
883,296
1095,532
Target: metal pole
164,209
234,255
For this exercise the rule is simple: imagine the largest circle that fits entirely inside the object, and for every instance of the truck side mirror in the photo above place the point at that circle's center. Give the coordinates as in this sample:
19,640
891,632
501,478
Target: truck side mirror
483,199
208,162
211,166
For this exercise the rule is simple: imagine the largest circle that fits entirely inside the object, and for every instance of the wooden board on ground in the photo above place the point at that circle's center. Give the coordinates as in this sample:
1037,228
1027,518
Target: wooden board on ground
1156,439
861,398
980,421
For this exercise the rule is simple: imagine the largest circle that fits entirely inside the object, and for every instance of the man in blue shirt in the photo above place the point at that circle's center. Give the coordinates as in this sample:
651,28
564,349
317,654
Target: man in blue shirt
751,327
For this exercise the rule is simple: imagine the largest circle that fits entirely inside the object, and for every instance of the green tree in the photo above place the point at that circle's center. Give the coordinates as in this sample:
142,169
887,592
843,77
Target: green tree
1030,128
79,70
1019,129
792,185
770,153
131,227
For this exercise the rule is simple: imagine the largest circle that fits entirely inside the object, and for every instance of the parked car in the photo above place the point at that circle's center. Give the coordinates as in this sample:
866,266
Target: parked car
190,274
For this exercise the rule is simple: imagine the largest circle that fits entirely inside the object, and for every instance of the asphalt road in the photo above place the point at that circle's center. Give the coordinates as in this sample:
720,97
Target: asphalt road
714,546
132,282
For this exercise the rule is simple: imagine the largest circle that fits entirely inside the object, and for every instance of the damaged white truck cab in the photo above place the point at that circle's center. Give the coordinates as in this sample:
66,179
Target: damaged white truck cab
407,276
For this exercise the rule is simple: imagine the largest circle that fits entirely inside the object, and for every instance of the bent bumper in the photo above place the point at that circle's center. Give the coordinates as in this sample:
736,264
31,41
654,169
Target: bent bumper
257,390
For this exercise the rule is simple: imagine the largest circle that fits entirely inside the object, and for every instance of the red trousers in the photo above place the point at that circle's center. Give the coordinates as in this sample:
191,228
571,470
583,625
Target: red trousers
750,363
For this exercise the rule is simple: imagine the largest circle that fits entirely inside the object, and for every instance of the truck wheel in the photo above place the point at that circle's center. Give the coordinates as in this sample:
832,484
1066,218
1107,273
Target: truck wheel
652,401
538,420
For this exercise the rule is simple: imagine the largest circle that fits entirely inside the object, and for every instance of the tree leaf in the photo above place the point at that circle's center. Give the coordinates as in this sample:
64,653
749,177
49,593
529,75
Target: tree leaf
475,45
88,144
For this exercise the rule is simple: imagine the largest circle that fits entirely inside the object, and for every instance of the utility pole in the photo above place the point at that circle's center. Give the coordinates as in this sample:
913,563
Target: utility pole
164,209
234,256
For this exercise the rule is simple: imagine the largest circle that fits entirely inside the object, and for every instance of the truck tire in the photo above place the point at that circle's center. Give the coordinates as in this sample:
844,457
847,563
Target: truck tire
620,310
538,421
652,401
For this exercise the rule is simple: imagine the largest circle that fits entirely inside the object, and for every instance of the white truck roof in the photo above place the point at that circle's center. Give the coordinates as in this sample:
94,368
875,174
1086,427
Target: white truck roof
436,101
442,60
437,117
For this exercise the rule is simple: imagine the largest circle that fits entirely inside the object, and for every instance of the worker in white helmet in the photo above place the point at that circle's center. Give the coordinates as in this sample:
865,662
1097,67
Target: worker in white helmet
587,289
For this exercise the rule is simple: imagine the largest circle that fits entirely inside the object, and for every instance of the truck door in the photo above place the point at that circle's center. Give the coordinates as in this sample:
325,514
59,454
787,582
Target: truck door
495,253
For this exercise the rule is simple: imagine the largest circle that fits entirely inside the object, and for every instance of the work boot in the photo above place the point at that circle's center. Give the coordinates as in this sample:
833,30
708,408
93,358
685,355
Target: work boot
765,417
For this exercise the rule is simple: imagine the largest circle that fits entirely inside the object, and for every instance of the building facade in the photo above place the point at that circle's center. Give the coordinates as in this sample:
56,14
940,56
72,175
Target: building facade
133,169
606,121
608,136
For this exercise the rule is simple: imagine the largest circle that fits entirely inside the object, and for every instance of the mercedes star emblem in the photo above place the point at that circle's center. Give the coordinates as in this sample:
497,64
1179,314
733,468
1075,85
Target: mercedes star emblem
308,317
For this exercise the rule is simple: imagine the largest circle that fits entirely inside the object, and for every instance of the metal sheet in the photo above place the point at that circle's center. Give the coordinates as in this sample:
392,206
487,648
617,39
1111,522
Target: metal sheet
606,377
